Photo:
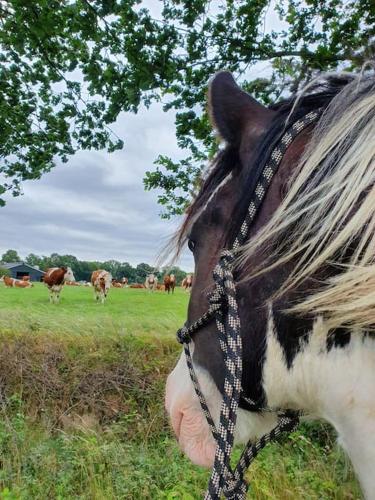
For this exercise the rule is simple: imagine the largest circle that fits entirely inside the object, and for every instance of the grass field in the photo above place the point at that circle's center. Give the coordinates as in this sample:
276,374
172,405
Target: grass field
127,310
81,393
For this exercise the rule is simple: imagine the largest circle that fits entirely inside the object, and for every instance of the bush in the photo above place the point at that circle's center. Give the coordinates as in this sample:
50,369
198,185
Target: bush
4,271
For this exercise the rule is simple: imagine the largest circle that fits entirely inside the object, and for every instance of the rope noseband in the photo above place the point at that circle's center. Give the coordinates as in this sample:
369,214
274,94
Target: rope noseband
224,309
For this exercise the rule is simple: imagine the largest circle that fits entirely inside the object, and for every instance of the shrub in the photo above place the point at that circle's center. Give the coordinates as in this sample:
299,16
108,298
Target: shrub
4,271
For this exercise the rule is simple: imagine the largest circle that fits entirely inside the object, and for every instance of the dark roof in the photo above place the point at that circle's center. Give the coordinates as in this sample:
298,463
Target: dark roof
10,265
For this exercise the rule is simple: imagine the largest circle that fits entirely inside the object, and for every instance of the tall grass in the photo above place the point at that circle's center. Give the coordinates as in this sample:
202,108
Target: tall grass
81,407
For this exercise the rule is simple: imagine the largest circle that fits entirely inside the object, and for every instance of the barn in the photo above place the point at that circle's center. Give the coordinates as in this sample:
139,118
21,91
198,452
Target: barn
19,269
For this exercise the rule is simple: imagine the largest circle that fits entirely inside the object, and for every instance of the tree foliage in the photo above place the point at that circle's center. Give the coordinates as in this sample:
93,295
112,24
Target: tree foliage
4,271
69,67
82,269
10,256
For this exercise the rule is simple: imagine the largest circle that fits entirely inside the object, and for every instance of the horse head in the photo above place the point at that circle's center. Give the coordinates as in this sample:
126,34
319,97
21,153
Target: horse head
298,258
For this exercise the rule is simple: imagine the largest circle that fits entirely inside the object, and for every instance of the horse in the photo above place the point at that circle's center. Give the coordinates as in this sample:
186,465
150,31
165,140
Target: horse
169,283
187,282
283,235
151,282
54,278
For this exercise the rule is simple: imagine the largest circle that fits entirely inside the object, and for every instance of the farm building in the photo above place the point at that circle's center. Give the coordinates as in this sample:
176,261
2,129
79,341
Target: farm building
19,269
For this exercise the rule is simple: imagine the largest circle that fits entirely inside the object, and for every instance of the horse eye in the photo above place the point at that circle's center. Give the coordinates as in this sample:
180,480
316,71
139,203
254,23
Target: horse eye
191,245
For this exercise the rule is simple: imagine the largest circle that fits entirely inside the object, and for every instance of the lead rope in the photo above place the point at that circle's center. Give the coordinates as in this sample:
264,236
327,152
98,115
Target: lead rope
224,308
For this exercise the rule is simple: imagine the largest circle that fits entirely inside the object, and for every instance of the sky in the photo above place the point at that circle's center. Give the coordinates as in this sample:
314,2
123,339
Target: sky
95,206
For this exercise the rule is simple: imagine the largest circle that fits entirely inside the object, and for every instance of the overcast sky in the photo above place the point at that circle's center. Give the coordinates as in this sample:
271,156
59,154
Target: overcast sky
95,206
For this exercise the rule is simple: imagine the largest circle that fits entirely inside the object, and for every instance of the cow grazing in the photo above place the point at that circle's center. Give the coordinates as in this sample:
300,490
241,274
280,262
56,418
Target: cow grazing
54,279
187,282
151,283
101,281
12,282
169,283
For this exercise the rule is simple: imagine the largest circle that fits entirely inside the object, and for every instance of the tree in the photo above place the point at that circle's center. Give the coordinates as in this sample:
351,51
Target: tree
34,260
4,271
69,68
142,270
10,256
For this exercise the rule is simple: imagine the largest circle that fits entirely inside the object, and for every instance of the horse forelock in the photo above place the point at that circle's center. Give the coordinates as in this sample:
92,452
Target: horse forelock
227,160
326,223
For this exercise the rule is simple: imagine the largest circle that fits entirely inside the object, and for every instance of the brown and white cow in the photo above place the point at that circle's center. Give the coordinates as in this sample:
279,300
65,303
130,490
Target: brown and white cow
54,279
151,283
116,284
124,281
187,282
101,281
137,285
169,283
12,282
72,283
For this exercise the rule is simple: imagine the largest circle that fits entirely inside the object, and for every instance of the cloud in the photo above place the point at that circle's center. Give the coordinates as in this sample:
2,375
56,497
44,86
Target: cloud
95,207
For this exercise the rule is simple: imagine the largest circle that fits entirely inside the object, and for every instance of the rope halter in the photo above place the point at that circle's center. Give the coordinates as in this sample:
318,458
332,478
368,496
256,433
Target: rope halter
223,308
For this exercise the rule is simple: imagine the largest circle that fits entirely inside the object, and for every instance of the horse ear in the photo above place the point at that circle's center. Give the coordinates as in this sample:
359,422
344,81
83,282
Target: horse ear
233,111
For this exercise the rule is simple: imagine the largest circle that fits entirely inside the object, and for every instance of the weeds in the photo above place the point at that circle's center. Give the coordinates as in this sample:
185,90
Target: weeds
82,417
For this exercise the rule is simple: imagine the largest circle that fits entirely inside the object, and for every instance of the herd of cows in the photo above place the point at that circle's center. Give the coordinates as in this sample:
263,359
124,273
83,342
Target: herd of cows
101,281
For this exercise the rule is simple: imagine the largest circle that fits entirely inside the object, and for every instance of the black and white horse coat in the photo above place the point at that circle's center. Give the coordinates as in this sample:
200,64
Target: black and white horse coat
290,361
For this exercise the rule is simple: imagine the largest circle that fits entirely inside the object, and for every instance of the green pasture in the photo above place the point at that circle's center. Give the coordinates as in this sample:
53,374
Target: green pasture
81,407
127,310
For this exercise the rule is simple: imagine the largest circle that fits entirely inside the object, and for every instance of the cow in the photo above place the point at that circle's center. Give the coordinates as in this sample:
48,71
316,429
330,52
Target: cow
101,280
187,282
151,282
8,282
172,282
54,279
137,285
116,284
72,283
12,282
124,281
169,283
26,277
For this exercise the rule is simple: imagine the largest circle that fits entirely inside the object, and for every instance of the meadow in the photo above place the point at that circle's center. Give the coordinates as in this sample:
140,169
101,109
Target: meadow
81,407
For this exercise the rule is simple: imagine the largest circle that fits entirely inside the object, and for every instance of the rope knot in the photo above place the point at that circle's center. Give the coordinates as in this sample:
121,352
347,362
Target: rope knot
227,259
183,335
235,488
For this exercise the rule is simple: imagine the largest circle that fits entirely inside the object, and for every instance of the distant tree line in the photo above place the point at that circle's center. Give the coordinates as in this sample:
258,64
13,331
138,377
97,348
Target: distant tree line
82,269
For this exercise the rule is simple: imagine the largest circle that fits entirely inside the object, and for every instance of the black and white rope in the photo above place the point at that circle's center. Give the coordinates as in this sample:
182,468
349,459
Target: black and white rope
224,309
